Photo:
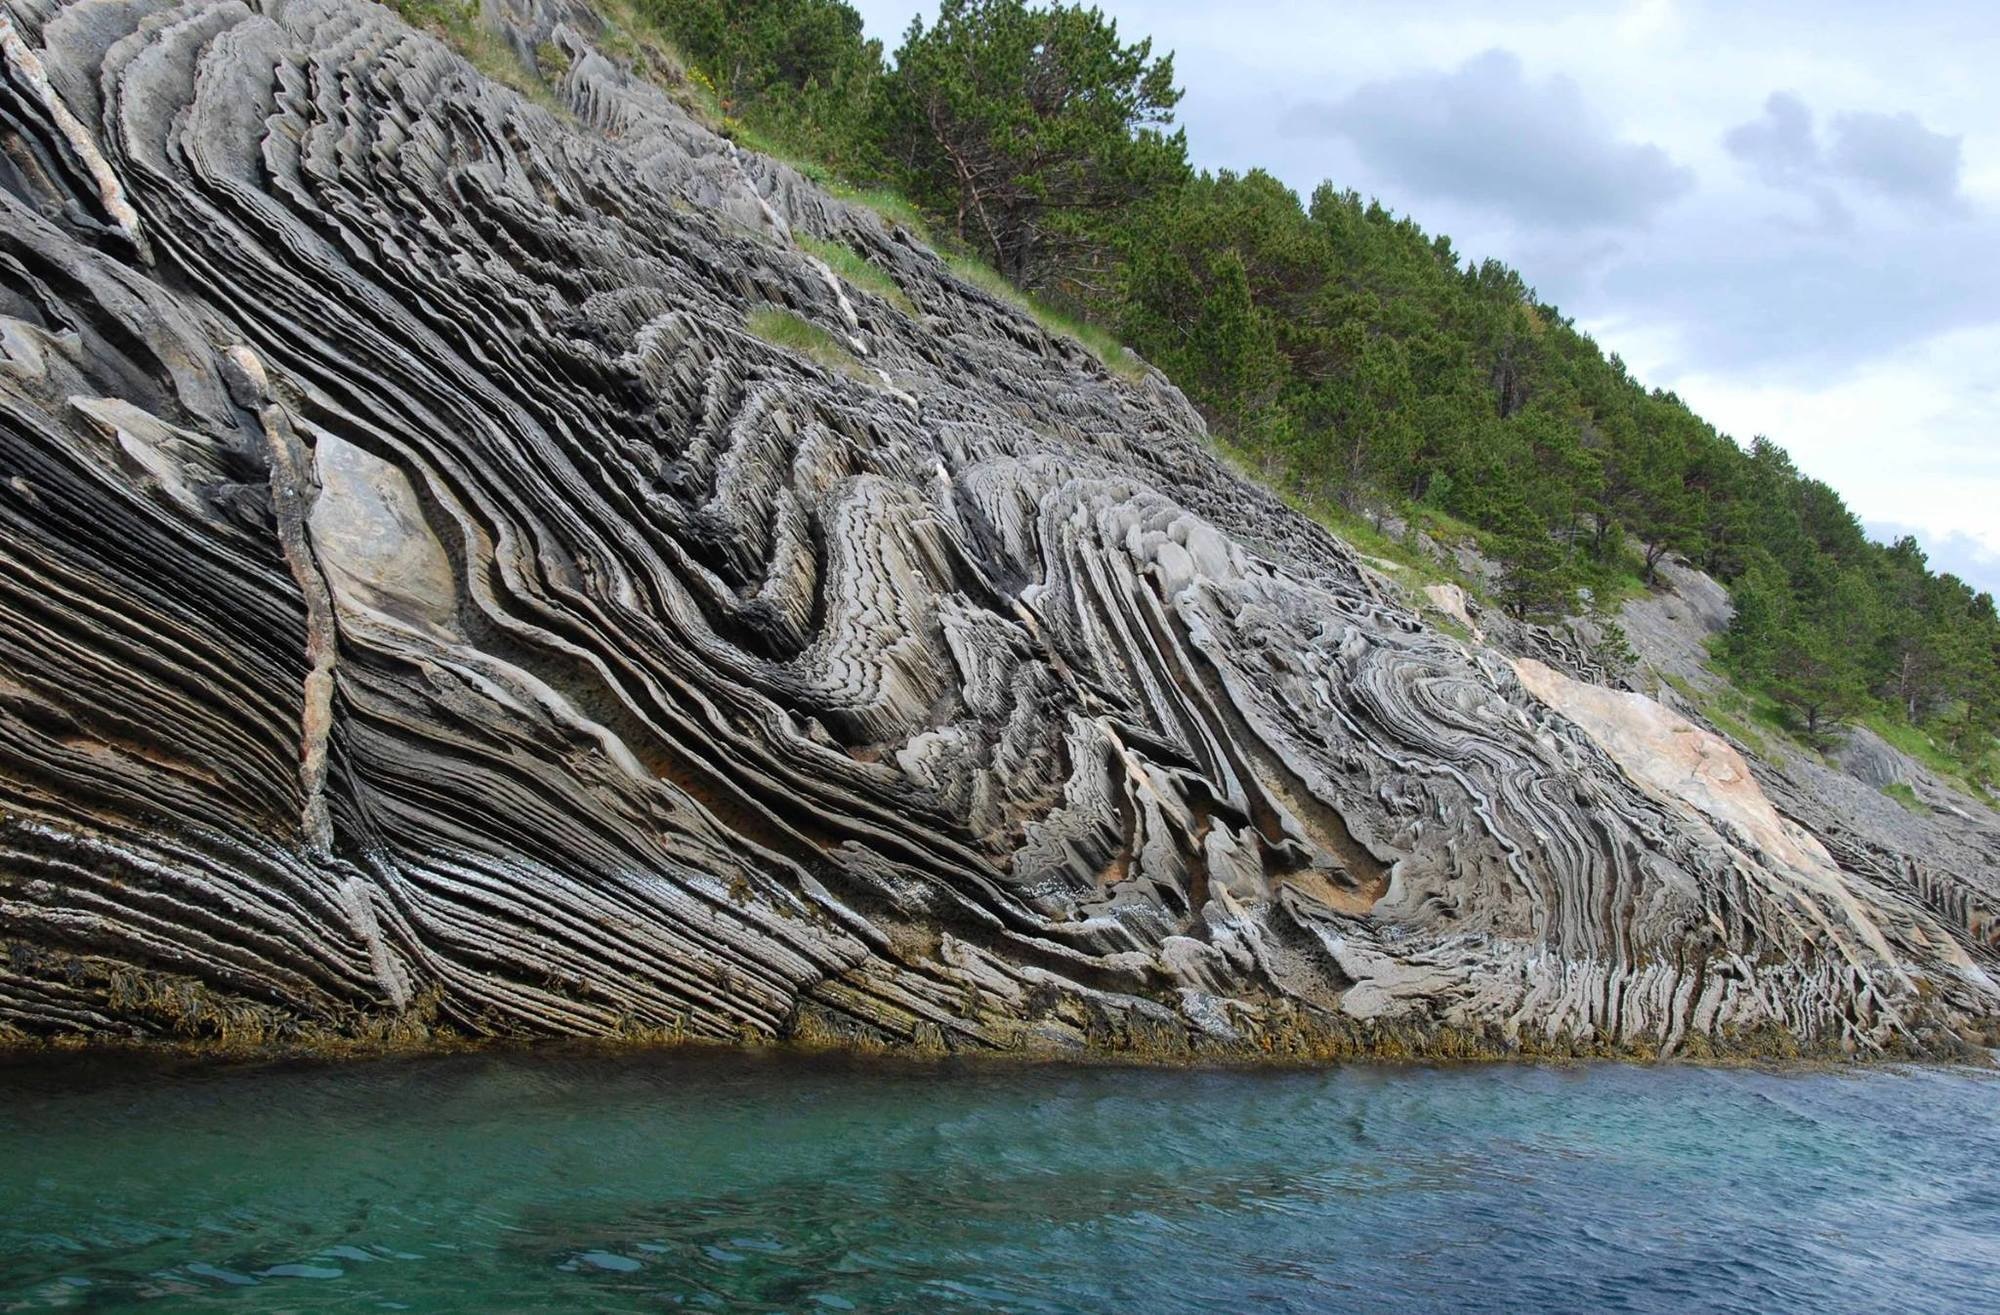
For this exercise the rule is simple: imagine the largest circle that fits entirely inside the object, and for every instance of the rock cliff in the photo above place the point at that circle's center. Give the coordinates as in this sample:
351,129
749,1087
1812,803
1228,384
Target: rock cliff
429,606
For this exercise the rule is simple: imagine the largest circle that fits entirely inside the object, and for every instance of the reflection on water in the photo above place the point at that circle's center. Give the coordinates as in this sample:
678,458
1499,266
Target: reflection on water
581,1180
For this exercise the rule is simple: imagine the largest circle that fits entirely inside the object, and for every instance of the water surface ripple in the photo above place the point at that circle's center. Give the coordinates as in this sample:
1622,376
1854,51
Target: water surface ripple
556,1180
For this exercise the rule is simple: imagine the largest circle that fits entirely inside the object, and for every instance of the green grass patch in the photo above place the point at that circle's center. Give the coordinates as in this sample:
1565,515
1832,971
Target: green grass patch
984,277
754,138
1364,537
436,14
1752,720
1111,353
1413,568
1442,525
1099,342
634,40
551,59
456,22
854,269
1912,741
781,328
1613,584
1917,743
894,209
1742,733
1904,795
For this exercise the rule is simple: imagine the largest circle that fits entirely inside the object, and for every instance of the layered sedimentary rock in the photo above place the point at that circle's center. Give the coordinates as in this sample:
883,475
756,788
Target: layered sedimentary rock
427,607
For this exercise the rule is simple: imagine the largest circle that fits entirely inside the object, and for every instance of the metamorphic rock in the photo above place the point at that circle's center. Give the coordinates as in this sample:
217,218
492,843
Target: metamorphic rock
429,610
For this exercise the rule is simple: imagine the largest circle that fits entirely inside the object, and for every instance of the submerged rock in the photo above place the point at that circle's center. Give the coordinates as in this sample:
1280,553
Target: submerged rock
428,608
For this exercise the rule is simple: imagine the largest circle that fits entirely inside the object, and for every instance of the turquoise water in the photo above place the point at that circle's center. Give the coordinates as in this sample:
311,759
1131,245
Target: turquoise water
586,1181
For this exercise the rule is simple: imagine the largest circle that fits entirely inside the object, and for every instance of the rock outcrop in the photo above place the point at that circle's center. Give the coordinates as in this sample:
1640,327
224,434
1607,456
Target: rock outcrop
427,606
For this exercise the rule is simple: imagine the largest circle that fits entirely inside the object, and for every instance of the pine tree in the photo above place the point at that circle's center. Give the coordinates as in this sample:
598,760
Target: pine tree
800,68
1033,129
1537,578
1763,616
1817,677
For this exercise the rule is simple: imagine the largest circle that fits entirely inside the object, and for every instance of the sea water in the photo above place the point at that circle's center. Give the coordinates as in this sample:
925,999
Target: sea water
556,1180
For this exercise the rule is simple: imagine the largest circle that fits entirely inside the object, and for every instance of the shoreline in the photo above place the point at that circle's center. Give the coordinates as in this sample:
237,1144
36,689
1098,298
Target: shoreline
209,1054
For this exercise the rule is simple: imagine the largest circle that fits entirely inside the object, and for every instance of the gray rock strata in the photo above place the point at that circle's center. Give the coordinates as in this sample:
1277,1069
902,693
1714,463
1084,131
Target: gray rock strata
428,609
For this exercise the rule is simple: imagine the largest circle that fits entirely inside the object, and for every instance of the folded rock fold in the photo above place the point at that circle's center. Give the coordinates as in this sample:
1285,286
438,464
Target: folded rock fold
427,606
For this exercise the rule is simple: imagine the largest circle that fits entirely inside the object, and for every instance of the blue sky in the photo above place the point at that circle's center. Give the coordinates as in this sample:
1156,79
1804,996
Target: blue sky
1787,213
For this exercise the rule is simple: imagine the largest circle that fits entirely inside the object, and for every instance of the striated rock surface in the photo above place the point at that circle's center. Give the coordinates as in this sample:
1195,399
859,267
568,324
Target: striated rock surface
427,607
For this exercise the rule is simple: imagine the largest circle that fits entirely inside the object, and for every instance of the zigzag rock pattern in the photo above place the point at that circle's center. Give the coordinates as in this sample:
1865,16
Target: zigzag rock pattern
426,607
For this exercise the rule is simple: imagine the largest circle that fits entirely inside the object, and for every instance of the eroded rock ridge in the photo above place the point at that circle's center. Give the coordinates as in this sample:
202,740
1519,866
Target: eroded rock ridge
426,605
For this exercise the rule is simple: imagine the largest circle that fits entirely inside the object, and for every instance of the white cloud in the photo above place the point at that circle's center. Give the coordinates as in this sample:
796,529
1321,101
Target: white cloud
1487,135
1894,155
1780,143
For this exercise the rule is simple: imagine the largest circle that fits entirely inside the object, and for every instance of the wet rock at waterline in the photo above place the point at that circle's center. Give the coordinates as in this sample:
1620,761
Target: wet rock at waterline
428,607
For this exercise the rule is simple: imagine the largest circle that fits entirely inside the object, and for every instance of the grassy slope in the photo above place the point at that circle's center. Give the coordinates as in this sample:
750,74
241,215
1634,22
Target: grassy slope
856,271
783,329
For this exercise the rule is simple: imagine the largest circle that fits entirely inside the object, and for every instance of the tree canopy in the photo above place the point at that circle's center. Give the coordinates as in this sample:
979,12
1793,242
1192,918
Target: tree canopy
1033,129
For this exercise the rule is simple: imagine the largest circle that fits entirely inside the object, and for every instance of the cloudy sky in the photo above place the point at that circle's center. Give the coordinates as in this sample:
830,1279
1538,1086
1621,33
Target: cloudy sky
1790,217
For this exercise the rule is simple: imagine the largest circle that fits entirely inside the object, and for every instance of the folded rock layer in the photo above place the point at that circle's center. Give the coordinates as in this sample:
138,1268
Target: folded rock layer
427,605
